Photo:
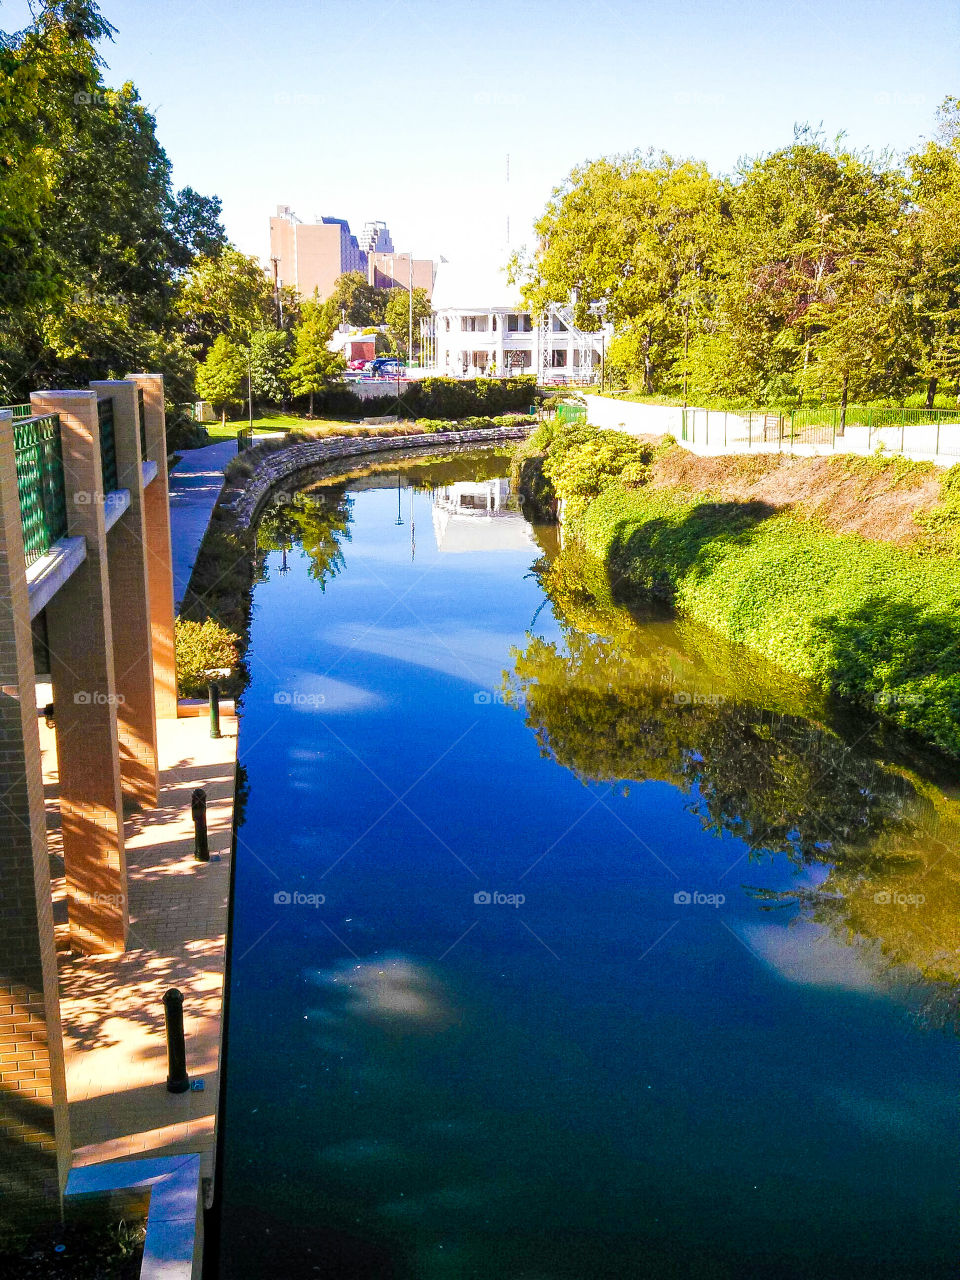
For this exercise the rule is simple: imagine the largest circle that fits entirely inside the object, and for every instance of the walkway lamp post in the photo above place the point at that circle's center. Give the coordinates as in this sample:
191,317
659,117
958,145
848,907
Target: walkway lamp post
250,388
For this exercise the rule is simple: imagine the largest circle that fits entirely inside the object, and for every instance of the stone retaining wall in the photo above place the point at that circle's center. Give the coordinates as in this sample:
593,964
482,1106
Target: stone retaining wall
275,467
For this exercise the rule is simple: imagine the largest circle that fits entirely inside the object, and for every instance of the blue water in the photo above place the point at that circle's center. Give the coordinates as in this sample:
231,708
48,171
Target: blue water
599,1080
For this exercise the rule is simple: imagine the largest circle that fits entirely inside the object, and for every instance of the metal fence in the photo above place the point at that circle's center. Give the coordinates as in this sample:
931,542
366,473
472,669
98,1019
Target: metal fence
40,483
571,413
18,410
931,432
108,445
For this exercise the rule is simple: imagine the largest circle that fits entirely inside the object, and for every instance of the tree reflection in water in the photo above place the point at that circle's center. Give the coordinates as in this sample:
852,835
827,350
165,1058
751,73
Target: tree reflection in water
318,521
760,755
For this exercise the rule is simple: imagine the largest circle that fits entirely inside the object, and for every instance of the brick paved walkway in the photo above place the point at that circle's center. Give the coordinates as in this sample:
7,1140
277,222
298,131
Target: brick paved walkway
111,1005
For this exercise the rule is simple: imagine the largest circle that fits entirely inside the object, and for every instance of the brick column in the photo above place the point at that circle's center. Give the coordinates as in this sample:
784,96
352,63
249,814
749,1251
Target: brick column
34,1128
156,514
84,694
130,608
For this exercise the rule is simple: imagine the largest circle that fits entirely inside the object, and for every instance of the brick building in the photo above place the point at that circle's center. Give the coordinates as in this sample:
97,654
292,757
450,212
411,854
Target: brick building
310,256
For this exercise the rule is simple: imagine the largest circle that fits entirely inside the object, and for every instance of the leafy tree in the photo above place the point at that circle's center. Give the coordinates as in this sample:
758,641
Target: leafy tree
221,375
931,243
91,235
195,228
269,362
229,293
356,301
632,236
802,222
398,317
314,365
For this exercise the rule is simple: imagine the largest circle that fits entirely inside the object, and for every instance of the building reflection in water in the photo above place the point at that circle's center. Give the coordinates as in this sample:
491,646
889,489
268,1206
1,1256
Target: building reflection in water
479,515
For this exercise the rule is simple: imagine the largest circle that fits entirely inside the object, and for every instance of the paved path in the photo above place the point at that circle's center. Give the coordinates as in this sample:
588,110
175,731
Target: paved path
111,1006
195,484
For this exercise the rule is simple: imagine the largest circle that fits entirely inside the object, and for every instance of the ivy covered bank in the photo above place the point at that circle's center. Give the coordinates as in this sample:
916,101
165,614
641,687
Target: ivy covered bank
844,570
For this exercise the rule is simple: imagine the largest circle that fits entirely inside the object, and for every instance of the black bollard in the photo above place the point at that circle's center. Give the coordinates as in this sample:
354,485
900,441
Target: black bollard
177,1079
214,691
198,807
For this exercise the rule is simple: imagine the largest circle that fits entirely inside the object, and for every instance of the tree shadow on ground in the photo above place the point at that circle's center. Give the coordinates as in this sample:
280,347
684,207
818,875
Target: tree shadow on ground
653,555
903,658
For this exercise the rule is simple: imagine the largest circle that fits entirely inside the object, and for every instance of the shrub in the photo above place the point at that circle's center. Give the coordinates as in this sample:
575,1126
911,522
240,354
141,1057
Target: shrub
201,646
434,398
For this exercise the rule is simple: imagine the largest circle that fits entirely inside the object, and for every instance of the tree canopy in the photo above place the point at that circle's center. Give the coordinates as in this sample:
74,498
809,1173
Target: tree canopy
398,317
814,272
92,235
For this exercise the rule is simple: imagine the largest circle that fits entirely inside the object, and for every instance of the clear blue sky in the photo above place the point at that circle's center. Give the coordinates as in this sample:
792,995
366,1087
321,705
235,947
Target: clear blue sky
406,110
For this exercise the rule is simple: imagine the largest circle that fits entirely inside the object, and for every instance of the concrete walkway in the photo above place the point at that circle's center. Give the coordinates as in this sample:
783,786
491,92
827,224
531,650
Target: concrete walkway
111,1006
195,484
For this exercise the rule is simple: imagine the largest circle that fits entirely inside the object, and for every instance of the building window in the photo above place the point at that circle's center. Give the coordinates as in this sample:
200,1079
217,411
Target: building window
473,324
520,324
558,359
557,325
517,359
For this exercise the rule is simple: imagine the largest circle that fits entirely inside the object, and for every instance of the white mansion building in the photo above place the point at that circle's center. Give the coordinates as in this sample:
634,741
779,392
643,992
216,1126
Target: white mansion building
479,328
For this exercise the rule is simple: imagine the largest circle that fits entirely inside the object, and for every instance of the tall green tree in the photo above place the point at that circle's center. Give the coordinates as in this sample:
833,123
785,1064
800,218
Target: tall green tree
92,236
801,220
930,242
356,301
633,236
269,362
221,376
398,318
226,293
314,365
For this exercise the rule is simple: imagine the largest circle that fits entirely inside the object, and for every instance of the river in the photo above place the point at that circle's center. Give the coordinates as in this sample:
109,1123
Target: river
567,941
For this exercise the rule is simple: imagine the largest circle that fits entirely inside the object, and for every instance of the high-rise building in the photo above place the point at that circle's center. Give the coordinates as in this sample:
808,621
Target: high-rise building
310,256
375,238
393,271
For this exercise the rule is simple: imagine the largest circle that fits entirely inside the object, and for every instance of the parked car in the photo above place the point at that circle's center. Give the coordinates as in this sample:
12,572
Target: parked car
357,365
384,367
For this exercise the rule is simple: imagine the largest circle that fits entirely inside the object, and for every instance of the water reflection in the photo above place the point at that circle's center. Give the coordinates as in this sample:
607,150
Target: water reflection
479,515
624,699
416,1086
